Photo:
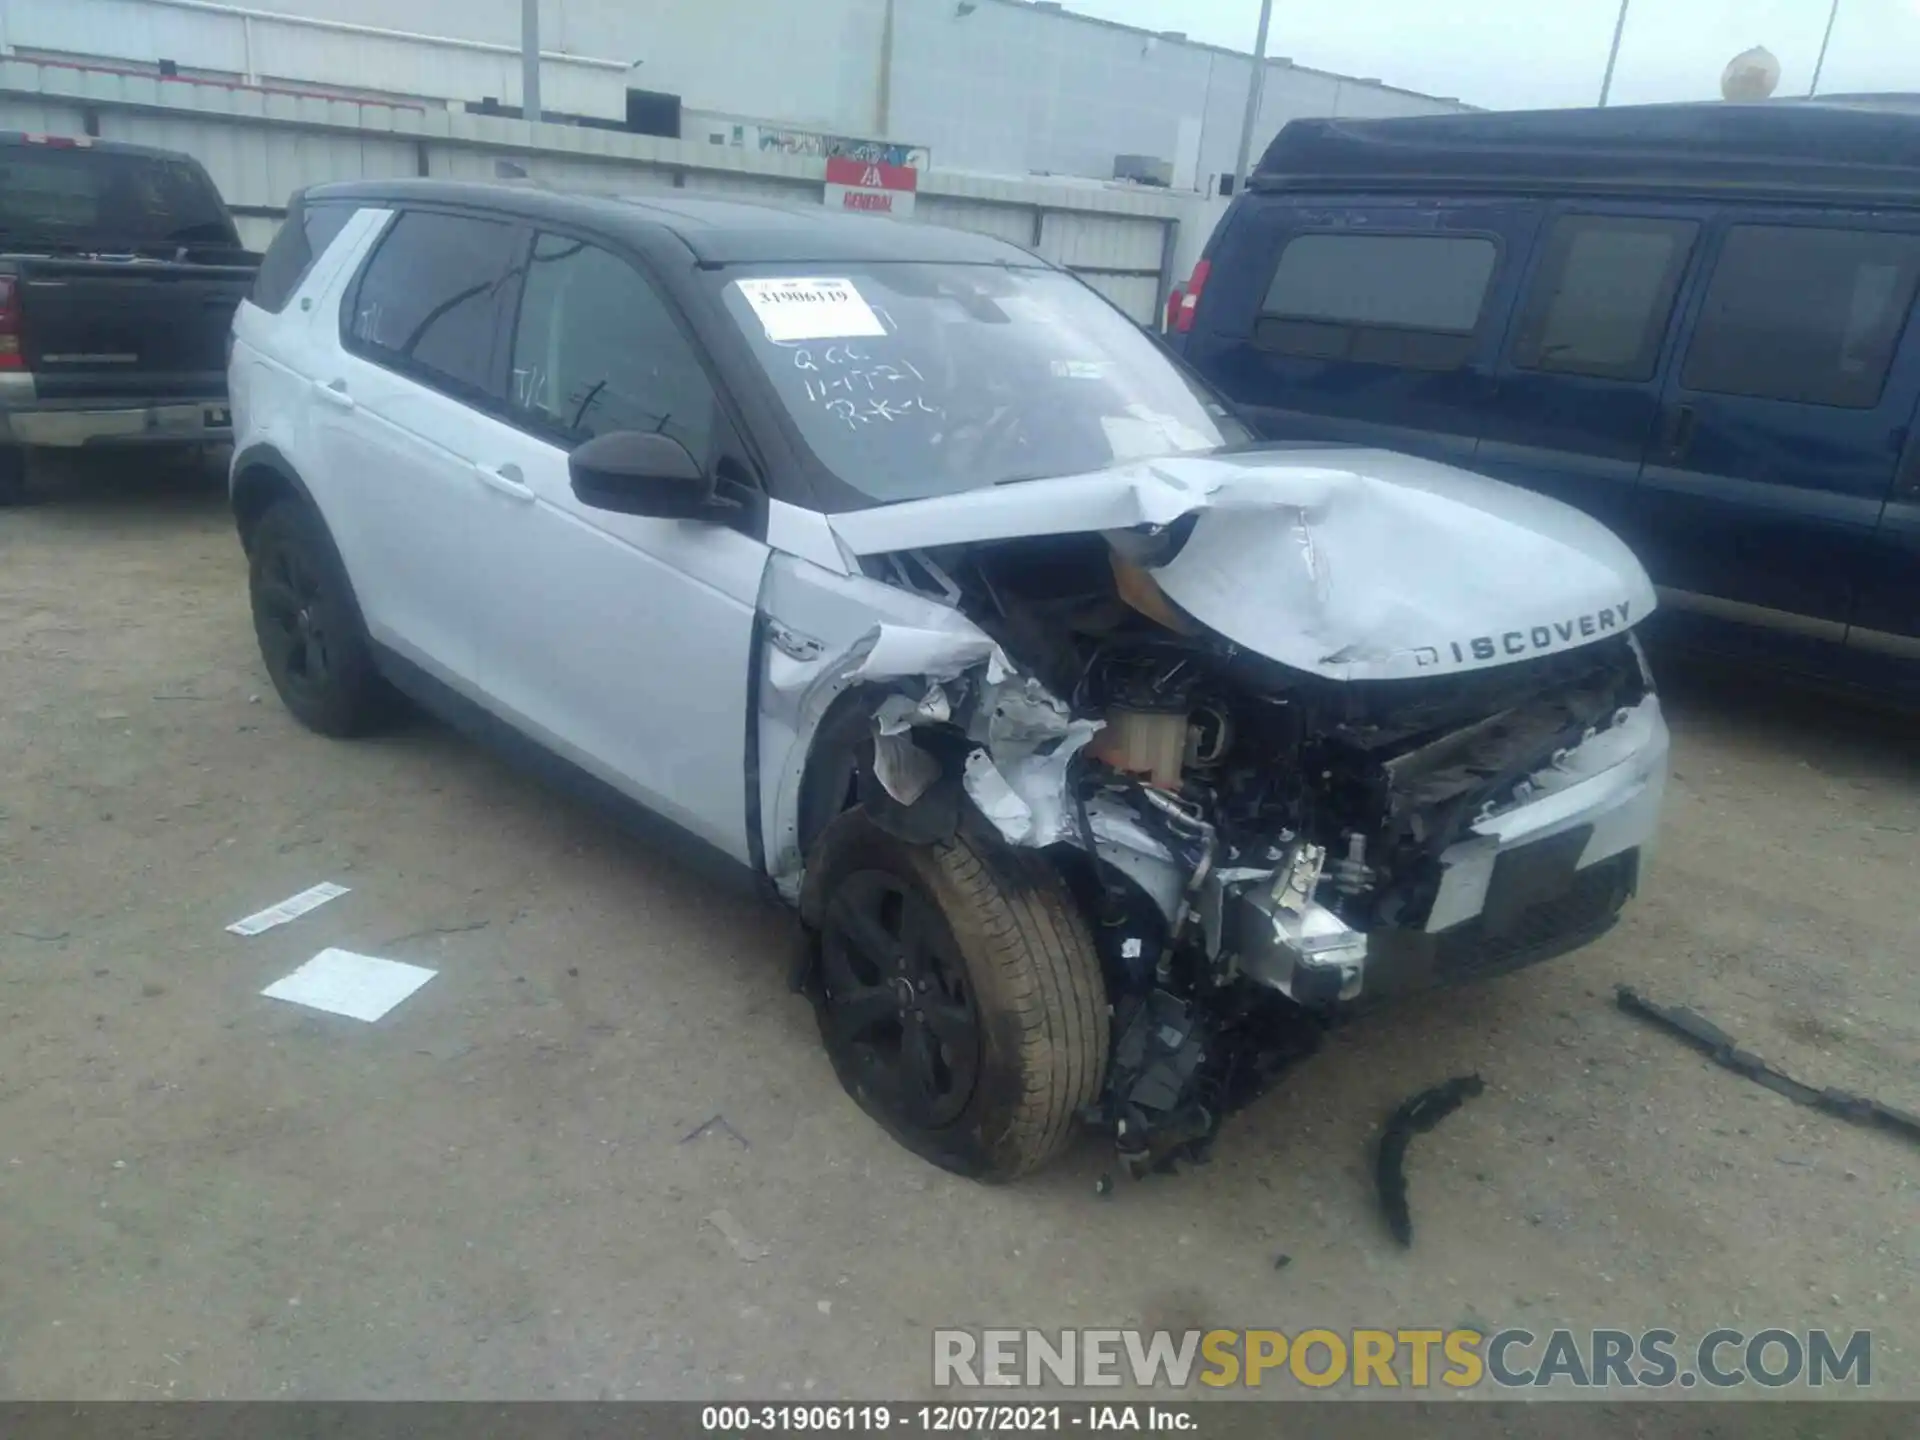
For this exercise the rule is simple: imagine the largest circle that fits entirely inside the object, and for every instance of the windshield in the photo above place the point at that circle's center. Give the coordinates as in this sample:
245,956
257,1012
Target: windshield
74,197
910,380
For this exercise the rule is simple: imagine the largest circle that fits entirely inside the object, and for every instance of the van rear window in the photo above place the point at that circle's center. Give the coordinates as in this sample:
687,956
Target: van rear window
1411,300
1802,313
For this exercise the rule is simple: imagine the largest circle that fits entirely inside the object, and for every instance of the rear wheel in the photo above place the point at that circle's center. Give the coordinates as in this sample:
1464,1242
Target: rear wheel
309,627
958,994
13,475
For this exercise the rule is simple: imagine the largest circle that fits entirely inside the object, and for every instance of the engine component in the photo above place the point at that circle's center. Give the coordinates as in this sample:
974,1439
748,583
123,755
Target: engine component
1353,876
1298,877
1149,743
1155,1110
1209,736
1305,951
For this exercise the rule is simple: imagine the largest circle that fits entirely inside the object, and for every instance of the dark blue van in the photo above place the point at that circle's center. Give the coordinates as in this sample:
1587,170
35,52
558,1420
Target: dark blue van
1689,320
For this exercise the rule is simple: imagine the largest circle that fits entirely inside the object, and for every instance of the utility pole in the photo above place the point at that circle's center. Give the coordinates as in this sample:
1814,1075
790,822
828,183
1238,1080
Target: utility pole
1254,87
1619,26
1833,14
530,60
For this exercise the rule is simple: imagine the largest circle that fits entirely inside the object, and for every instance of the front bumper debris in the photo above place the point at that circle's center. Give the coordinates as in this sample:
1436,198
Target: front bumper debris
1544,876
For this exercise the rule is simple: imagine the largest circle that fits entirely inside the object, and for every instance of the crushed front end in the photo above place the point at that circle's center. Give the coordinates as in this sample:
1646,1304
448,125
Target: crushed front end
1292,753
1328,844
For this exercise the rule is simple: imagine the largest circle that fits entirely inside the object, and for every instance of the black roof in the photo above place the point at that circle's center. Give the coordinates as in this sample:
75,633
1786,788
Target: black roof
719,232
1863,147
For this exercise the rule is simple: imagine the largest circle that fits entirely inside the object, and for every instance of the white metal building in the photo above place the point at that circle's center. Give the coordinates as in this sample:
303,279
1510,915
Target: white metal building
996,86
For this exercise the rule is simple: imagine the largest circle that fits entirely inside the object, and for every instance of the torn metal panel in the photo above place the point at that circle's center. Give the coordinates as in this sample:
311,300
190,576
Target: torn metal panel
822,628
1025,792
1350,564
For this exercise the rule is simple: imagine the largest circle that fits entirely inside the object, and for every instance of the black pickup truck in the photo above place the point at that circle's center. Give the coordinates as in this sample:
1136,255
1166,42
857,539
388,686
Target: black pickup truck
120,269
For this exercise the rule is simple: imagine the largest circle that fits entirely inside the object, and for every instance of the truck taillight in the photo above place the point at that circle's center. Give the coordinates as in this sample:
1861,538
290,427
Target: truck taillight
1189,298
10,356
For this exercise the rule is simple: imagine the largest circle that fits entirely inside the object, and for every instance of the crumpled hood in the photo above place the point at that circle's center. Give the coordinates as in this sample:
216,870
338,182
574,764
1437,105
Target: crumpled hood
1352,564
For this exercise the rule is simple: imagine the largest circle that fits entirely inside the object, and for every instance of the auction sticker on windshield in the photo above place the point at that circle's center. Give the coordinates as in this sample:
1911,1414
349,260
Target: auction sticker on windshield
810,308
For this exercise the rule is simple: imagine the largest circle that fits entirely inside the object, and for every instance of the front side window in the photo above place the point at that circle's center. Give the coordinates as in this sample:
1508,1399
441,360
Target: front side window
432,298
907,380
596,350
1604,293
1804,314
1412,300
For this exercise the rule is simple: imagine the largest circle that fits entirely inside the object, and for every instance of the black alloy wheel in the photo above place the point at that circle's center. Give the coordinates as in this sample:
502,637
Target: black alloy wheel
308,625
294,616
898,1007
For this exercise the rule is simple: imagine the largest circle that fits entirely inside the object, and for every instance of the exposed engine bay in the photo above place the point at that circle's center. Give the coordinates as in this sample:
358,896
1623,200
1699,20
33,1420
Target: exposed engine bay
1256,847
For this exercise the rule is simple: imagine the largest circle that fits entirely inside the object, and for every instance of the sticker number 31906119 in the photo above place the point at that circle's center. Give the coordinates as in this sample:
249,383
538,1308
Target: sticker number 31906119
810,308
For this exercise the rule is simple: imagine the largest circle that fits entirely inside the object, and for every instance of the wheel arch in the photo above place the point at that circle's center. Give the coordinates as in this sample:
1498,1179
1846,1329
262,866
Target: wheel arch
260,476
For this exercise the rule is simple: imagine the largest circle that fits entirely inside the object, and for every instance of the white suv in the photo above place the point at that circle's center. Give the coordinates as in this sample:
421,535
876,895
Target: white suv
1103,752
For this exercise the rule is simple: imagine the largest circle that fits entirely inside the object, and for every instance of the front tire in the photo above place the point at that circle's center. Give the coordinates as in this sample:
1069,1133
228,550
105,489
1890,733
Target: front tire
308,625
958,994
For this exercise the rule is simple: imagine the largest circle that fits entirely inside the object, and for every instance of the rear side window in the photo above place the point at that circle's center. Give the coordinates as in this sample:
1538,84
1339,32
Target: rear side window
1410,300
596,350
432,298
1804,314
1603,295
302,239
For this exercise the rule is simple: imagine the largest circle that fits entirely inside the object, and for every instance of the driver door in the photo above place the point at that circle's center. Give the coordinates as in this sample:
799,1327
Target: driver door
619,642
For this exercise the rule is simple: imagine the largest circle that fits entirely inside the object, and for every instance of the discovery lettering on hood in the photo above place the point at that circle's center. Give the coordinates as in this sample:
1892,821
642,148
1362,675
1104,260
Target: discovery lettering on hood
1536,638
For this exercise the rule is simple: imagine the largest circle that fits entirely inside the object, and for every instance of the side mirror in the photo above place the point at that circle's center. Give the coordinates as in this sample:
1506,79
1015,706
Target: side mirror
636,473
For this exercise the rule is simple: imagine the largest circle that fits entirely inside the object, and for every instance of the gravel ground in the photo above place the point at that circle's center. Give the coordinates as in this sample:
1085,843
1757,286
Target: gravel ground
204,1193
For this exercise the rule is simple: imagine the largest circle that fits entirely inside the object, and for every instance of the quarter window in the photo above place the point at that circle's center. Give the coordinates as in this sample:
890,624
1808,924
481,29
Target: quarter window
597,350
1410,300
1603,295
302,239
1804,314
432,298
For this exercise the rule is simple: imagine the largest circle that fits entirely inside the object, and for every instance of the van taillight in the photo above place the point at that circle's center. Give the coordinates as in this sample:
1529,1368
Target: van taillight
1190,297
10,356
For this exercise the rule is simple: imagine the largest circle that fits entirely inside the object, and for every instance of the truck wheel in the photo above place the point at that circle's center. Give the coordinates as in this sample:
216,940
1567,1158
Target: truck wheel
309,627
13,475
958,994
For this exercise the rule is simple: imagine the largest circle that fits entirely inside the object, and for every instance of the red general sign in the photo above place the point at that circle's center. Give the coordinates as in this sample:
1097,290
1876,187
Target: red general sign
864,186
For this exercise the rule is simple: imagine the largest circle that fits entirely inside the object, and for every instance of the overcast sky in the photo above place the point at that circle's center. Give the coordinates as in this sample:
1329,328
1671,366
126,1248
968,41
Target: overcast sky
1516,53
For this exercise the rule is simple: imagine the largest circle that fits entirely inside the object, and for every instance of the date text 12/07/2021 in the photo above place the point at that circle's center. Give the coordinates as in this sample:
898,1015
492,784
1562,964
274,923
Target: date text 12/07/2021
947,1419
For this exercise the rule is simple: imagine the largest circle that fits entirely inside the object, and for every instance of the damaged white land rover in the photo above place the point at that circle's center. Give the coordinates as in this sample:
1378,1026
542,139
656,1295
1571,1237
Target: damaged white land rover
1103,752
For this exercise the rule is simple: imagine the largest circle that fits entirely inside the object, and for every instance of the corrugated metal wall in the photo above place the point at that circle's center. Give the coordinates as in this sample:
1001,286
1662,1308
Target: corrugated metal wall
993,85
260,148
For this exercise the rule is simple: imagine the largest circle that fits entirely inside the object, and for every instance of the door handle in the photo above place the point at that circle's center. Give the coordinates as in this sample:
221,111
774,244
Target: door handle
1680,431
507,479
334,392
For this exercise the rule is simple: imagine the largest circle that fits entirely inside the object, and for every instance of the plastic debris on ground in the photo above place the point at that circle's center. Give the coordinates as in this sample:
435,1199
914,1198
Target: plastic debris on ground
292,908
1415,1116
1718,1046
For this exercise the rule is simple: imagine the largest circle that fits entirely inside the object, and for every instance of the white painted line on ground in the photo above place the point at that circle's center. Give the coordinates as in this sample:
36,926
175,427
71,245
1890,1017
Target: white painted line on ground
361,987
289,909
